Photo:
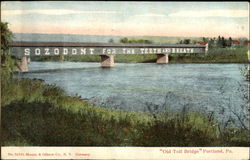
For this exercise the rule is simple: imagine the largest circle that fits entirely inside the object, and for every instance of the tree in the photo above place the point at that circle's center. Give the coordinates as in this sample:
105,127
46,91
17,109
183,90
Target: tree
142,41
6,36
223,42
8,62
205,39
186,41
219,42
194,41
148,41
211,43
124,40
229,43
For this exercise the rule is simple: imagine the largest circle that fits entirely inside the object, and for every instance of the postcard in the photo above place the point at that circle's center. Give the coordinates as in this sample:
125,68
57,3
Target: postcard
125,80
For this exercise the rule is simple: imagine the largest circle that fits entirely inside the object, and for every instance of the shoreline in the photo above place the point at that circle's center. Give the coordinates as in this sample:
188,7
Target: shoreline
155,63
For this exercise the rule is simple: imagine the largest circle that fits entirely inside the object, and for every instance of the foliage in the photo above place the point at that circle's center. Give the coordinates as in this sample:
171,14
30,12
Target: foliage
8,62
221,42
185,41
6,36
142,41
214,55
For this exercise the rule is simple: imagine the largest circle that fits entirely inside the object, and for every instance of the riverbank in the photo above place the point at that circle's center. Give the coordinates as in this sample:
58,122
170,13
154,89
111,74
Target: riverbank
37,114
217,55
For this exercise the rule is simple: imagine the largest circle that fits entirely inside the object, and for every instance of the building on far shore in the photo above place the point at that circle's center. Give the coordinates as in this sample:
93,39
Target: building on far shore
235,43
202,43
247,43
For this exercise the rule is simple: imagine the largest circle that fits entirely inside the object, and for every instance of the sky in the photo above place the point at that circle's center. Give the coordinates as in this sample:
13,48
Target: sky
189,19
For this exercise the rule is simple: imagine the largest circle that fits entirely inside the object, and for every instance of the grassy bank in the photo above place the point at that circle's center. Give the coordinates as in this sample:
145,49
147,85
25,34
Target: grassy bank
34,113
216,55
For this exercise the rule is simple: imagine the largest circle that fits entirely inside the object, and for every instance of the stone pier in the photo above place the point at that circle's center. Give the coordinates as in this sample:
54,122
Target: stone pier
61,58
107,61
23,65
162,58
28,59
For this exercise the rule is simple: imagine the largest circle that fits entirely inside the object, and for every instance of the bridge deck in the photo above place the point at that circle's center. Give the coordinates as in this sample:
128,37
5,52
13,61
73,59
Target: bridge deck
21,49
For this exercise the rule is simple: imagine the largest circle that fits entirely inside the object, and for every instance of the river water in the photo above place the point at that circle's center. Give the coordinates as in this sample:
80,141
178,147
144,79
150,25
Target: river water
216,89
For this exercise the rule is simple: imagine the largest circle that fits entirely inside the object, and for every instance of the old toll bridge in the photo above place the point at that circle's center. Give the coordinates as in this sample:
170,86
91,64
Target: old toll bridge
25,50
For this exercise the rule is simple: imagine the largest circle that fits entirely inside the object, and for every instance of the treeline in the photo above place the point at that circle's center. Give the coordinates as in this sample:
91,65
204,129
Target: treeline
143,41
219,42
187,41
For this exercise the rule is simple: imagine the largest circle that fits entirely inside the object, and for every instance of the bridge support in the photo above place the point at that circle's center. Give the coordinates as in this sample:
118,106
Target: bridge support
61,58
162,58
23,65
28,59
206,49
107,61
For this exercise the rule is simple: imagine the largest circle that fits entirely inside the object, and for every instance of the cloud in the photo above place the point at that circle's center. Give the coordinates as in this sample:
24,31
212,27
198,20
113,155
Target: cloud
150,15
53,12
211,13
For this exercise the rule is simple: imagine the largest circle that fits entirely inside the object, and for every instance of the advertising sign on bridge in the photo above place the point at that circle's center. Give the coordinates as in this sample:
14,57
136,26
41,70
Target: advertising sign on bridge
54,49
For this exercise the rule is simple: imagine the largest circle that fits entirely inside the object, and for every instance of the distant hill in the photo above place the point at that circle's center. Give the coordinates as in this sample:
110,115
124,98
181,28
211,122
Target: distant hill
35,37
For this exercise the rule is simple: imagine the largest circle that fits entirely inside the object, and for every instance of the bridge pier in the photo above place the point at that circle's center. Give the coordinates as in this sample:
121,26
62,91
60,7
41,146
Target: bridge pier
23,64
162,59
206,49
107,60
61,58
28,59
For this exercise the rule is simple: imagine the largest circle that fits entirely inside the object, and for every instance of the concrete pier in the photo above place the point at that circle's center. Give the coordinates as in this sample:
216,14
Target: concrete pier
23,64
162,59
107,61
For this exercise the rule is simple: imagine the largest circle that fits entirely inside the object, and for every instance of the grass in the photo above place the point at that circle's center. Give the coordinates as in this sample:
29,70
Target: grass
216,55
34,113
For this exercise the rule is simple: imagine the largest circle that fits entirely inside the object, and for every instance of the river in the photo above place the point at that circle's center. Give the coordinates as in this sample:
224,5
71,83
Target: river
216,89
